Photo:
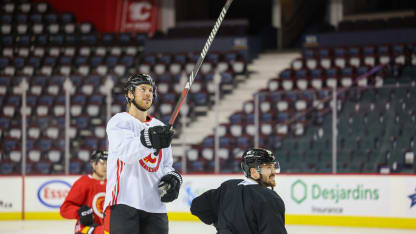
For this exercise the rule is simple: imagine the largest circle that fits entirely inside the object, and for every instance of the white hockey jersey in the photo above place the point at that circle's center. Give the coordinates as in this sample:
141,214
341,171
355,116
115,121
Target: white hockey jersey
133,171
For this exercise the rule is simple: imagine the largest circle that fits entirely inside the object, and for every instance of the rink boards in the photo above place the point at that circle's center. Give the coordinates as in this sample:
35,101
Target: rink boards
346,200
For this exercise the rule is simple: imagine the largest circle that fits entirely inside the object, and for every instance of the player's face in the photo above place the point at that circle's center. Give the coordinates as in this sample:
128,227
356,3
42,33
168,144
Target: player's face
268,172
100,168
143,96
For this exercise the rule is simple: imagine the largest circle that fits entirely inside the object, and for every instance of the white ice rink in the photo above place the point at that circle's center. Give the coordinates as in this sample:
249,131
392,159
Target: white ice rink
66,227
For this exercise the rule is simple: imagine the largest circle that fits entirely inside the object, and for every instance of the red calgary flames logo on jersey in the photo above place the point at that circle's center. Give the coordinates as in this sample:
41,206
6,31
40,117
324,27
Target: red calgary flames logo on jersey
151,162
98,204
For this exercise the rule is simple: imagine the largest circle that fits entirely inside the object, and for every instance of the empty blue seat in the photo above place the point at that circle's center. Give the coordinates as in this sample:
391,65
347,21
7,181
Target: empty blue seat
67,18
34,61
4,80
208,142
31,100
79,99
92,142
7,40
41,39
6,168
243,142
127,60
124,38
213,58
96,60
282,117
43,122
237,118
13,100
30,143
51,18
75,167
165,58
71,39
151,59
97,99
60,121
177,166
286,74
81,122
250,118
65,60
4,62
57,39
39,80
302,73
49,60
10,144
6,19
19,62
339,52
94,80
90,39
23,40
362,70
35,18
108,38
45,144
230,57
226,78
200,98
111,61
197,166
179,58
46,100
169,98
80,60
226,141
43,167
21,18
4,122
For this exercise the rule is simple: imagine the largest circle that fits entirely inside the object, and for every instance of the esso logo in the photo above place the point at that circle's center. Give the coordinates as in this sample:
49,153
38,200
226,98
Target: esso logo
52,193
140,11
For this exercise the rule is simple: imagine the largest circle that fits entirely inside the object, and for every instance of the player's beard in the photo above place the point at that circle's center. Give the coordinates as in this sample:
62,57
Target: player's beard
142,104
268,181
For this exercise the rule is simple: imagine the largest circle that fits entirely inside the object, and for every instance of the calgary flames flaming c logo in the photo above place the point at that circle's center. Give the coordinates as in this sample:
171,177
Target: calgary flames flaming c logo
151,162
98,204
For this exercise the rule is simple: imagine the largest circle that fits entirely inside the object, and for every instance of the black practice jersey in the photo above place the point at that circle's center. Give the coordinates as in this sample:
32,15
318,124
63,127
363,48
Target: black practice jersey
241,207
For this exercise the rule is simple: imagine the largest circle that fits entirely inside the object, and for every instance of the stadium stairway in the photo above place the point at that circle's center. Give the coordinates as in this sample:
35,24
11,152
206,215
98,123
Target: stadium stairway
265,67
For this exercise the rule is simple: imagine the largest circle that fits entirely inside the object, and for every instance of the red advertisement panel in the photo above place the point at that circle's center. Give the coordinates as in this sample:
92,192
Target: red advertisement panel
137,16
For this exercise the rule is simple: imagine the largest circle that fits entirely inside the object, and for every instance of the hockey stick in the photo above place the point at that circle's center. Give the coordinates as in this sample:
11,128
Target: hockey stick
199,63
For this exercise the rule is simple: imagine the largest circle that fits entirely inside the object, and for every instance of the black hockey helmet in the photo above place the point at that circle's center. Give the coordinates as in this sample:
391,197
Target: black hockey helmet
138,79
254,157
99,155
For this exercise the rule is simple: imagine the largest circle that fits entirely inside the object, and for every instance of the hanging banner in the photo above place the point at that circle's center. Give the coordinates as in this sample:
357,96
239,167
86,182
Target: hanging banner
137,16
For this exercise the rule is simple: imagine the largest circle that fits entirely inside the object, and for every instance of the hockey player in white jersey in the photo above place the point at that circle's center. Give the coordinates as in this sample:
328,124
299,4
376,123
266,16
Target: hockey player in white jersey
140,176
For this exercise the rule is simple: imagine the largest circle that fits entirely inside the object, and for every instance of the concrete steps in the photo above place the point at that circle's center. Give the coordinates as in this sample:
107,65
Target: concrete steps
264,68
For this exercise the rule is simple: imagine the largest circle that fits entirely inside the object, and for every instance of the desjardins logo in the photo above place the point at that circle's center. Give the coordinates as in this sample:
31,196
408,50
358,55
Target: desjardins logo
300,191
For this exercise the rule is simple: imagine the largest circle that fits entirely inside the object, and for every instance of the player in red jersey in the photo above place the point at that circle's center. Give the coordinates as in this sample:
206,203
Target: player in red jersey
85,200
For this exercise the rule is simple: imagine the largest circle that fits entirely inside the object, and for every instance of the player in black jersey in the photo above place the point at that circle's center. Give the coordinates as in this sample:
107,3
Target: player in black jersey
245,206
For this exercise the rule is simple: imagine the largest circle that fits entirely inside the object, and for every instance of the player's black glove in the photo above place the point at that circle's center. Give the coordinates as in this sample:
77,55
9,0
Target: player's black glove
157,137
169,186
86,217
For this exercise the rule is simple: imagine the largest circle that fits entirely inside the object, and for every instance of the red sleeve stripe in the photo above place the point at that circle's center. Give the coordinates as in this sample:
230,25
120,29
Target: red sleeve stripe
116,189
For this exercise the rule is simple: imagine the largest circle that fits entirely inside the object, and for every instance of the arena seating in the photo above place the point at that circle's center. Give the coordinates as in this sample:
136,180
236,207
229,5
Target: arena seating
374,109
46,48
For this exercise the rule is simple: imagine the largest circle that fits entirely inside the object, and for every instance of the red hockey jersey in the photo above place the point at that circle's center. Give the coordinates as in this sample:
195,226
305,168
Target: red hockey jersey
85,191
